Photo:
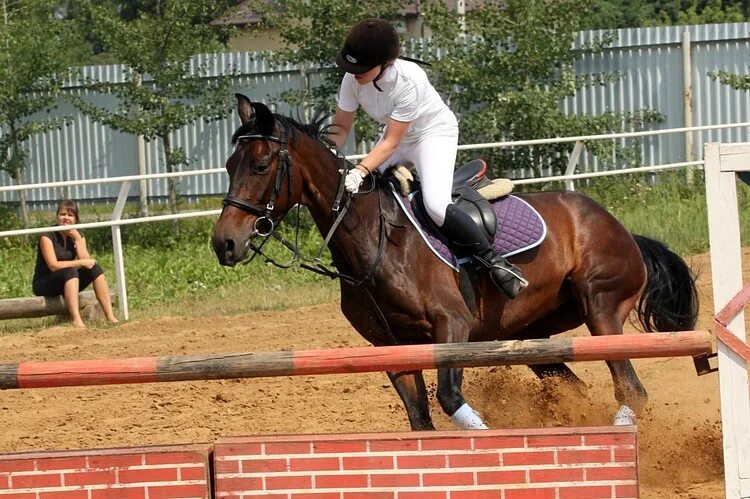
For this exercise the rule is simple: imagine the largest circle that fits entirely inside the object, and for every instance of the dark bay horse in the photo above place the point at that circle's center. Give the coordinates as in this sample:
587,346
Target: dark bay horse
589,269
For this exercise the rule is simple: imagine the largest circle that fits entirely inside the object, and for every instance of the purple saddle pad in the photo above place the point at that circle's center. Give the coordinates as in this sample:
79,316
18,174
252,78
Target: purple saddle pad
519,228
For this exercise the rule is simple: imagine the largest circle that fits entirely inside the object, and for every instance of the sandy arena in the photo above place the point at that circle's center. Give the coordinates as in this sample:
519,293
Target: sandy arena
679,435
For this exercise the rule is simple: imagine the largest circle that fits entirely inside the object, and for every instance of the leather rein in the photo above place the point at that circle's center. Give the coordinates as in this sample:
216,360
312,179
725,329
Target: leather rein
265,225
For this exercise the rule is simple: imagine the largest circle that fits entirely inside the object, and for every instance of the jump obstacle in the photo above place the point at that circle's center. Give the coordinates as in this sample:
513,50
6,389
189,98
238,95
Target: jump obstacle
555,463
352,360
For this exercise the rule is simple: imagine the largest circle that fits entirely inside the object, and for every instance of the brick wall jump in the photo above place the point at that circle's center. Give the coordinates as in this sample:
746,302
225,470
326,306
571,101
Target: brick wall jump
549,463
128,473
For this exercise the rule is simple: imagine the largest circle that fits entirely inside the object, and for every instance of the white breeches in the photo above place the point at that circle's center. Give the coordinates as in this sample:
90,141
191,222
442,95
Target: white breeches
435,159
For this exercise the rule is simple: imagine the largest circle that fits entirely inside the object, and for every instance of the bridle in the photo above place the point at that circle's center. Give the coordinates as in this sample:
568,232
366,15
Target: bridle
264,225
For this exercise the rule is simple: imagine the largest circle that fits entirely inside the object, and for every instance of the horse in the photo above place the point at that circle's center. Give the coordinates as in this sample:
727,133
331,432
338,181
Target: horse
588,270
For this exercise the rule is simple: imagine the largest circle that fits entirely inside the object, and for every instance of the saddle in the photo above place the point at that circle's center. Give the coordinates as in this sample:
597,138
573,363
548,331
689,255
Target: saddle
472,190
515,224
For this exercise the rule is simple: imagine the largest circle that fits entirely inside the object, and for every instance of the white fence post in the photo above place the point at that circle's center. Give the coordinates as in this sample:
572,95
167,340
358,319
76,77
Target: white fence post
122,291
721,161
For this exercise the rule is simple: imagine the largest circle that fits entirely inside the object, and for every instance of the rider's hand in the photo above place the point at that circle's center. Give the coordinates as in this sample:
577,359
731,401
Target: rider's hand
354,179
88,263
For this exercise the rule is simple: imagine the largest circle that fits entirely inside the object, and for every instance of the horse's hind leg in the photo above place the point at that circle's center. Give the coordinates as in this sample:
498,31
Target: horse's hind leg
411,388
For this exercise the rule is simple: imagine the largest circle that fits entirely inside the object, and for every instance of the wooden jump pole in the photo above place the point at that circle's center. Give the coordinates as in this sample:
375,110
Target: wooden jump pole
351,360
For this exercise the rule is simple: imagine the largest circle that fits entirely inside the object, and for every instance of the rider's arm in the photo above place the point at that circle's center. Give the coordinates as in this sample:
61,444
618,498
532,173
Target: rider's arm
342,124
384,149
50,258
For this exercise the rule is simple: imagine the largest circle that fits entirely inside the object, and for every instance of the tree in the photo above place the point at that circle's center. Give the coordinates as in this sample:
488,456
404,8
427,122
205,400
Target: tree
610,14
506,77
161,93
35,50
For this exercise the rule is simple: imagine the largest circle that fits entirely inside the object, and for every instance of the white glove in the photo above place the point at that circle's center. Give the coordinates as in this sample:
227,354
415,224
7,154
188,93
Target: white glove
353,180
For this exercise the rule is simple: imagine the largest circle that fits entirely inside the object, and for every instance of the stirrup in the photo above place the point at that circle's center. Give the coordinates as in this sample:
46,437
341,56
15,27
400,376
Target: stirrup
504,275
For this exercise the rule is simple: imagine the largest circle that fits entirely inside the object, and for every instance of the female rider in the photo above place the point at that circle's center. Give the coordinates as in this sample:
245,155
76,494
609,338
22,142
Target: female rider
419,128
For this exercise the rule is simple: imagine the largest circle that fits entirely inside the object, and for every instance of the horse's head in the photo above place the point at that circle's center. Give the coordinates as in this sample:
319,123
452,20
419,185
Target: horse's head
261,186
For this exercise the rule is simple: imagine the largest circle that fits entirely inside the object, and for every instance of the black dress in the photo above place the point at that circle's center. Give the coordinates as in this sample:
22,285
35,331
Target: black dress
49,283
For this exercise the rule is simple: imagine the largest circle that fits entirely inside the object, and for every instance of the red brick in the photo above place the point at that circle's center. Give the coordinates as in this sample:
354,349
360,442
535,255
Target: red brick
419,462
422,495
556,475
314,464
446,444
119,493
249,449
452,478
314,495
239,483
500,477
395,480
178,491
119,461
530,494
554,441
498,442
610,439
393,445
366,495
106,477
287,448
473,460
4,481
193,473
288,482
476,494
611,473
20,495
601,492
64,494
368,463
625,455
520,458
61,463
221,466
175,458
340,481
148,475
626,491
338,447
260,465
583,456
15,465
36,481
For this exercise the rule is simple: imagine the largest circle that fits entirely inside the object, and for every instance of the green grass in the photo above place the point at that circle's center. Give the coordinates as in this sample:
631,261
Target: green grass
177,274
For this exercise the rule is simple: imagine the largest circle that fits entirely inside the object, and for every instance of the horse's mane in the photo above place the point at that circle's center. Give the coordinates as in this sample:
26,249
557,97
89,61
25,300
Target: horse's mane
263,122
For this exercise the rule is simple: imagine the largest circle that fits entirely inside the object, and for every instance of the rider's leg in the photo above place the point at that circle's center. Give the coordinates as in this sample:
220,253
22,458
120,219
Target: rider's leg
435,158
464,233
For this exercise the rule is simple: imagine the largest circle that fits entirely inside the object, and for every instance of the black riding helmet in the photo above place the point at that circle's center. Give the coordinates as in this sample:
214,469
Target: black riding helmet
369,43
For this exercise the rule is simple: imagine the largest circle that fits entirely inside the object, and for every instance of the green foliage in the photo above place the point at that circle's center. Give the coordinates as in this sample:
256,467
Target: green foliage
35,50
611,14
506,80
161,92
736,81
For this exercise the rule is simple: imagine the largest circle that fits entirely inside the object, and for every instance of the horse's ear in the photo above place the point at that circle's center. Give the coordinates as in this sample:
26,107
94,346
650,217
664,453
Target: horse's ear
244,108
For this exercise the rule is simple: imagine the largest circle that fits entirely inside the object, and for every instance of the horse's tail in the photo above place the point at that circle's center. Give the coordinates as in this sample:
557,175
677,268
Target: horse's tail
670,300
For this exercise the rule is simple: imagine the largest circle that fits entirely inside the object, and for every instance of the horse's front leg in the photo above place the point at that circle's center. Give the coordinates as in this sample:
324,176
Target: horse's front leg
455,330
411,388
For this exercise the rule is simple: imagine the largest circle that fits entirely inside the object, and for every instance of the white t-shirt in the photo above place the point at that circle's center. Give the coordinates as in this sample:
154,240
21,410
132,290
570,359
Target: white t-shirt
407,96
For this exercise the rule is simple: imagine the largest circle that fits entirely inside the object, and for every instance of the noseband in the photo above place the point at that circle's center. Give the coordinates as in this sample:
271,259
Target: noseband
265,224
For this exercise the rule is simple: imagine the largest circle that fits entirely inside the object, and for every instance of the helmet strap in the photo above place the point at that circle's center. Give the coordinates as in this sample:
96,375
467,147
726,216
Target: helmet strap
383,67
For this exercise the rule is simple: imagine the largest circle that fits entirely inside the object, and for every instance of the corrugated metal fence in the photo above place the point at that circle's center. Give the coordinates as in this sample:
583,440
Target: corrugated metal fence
650,60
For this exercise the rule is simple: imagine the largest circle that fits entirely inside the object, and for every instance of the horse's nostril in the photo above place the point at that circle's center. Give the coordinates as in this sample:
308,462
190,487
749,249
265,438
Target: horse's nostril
229,249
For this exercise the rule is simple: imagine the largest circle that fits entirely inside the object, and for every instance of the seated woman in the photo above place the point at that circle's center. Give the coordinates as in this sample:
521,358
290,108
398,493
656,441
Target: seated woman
65,267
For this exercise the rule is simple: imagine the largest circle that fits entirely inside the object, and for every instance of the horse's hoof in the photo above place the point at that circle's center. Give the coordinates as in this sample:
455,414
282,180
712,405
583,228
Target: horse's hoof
625,416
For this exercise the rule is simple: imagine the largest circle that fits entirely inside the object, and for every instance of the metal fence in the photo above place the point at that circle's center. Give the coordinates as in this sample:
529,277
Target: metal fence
651,60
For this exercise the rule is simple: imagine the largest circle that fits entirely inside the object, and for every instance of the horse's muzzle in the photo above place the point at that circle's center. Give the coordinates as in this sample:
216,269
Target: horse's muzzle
230,251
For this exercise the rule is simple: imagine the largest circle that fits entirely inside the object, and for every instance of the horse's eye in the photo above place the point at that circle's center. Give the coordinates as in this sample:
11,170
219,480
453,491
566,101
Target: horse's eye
262,168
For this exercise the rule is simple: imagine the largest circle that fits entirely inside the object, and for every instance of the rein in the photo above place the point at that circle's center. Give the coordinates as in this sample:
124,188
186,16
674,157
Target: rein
265,225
